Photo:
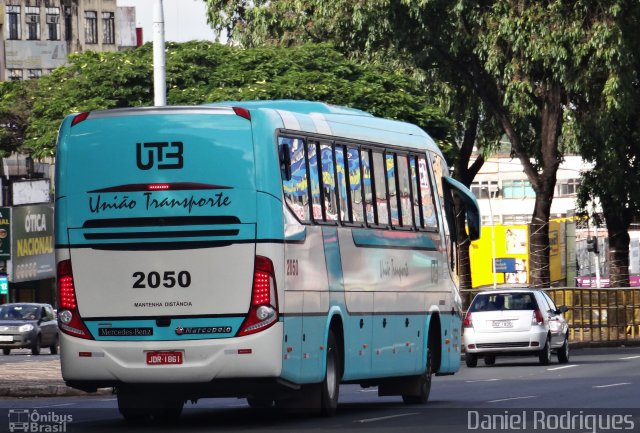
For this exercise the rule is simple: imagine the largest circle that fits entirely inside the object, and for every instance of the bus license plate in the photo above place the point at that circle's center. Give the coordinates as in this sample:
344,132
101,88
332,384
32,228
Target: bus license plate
164,358
503,323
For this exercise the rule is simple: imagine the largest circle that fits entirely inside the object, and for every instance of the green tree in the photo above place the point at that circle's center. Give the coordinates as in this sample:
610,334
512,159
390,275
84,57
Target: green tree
607,131
15,108
199,72
522,58
276,23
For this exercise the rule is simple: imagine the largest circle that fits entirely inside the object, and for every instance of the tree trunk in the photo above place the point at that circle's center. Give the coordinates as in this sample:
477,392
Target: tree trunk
618,230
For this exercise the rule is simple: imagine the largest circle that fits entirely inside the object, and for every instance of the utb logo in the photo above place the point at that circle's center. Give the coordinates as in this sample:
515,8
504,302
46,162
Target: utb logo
163,154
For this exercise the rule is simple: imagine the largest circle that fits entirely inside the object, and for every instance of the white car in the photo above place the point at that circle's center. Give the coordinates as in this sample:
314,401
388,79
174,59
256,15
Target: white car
514,322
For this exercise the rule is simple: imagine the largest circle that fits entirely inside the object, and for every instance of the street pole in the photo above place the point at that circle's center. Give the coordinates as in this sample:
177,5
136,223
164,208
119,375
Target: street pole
493,241
159,76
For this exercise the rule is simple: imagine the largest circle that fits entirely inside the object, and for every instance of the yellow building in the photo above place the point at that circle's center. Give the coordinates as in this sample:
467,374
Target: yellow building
510,245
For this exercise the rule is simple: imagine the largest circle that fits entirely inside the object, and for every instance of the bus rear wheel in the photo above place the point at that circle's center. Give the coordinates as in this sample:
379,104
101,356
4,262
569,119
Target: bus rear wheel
424,385
330,386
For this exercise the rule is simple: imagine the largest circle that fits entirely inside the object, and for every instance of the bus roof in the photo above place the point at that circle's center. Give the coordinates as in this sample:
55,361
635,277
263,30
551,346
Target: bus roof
340,121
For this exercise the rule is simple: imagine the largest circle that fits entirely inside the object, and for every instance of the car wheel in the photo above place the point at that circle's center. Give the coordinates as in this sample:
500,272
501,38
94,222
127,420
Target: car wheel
6,351
545,353
54,348
471,359
489,359
424,384
563,352
35,349
331,383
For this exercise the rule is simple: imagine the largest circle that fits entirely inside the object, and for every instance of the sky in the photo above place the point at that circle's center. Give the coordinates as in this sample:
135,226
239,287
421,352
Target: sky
184,20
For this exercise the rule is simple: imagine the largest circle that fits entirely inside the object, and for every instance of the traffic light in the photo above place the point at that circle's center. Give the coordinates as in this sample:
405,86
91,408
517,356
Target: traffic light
592,244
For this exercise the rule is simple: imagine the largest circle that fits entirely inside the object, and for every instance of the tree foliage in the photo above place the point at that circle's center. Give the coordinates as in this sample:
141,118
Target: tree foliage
522,58
15,108
606,128
199,72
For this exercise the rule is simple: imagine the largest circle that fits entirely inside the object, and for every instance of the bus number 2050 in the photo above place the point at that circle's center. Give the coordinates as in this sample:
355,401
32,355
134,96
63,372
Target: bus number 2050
154,280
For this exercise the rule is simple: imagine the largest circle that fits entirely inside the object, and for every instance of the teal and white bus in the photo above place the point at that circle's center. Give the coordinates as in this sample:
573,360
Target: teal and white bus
268,250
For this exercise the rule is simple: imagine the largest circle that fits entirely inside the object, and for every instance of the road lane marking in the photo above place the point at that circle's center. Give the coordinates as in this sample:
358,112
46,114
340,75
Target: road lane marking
562,368
512,398
631,357
55,405
612,384
481,380
383,418
369,390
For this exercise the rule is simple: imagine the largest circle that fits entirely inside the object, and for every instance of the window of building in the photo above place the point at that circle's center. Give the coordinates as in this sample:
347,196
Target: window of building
108,28
13,22
517,189
481,189
91,27
53,24
516,219
32,18
68,29
34,73
567,187
15,74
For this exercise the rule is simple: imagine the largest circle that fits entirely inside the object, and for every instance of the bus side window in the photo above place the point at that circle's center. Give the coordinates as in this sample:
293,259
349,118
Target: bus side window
426,195
295,189
392,187
330,198
405,192
415,192
343,183
380,186
355,184
314,182
369,193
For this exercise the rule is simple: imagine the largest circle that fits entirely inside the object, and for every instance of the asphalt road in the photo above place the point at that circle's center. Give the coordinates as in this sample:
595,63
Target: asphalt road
517,394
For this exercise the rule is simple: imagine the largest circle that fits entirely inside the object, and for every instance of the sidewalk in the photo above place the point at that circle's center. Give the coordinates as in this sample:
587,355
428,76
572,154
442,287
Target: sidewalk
35,378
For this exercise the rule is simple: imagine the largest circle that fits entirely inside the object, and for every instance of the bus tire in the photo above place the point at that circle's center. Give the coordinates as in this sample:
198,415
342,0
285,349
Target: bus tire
260,402
424,385
130,407
330,386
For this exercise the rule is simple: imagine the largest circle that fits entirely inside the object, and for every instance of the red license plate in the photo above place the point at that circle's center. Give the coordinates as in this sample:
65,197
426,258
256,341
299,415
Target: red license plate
164,358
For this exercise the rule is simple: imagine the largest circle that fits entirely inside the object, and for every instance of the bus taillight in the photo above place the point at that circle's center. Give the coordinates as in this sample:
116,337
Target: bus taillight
69,318
264,301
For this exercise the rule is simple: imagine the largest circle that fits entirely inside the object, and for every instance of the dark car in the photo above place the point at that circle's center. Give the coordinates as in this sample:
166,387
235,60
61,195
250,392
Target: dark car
28,325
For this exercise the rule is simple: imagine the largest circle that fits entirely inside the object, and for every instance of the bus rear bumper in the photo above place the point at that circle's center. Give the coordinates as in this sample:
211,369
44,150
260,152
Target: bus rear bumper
90,364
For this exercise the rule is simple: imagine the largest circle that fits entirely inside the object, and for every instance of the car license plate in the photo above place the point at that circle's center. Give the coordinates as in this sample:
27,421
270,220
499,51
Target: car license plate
6,337
503,323
164,358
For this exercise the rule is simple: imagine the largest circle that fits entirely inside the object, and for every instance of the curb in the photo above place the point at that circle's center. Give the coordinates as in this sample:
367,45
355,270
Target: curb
46,390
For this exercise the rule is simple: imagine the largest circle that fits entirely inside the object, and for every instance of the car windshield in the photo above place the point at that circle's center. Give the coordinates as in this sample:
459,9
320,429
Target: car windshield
503,301
19,312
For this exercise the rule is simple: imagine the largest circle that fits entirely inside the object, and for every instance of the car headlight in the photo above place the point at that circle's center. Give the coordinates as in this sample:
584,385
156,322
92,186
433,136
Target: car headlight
26,328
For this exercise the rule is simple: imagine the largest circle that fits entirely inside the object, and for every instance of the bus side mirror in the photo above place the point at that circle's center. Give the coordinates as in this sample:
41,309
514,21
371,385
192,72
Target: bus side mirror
285,161
470,204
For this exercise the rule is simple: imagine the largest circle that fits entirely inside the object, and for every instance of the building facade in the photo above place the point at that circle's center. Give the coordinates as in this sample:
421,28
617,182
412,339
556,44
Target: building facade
38,35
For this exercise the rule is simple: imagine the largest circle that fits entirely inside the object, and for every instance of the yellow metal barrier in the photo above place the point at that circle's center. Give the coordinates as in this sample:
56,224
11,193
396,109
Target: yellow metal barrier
595,315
